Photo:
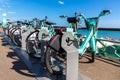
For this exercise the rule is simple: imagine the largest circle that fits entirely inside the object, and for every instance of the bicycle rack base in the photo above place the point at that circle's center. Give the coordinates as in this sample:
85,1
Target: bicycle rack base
35,65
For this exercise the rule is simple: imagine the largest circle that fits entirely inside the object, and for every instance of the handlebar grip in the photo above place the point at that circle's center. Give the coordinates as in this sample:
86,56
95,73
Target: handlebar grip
46,17
107,11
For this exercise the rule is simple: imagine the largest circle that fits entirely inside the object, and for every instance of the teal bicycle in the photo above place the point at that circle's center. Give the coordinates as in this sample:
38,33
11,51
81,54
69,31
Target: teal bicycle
55,56
44,29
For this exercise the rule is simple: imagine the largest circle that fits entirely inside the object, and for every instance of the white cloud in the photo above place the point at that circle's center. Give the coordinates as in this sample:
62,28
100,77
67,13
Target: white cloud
4,6
4,14
11,12
3,1
61,2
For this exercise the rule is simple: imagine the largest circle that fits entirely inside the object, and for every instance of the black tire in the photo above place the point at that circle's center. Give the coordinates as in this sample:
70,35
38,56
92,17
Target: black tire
93,57
31,45
16,38
56,67
92,54
31,34
6,31
11,32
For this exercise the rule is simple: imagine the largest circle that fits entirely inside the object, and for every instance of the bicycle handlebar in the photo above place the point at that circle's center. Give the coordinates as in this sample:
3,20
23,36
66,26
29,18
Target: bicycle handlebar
63,16
104,12
89,21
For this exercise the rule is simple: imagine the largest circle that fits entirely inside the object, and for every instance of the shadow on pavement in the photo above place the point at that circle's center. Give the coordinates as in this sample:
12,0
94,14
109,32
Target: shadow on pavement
19,66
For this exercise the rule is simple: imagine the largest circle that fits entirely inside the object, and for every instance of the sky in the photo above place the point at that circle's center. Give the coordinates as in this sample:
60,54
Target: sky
29,9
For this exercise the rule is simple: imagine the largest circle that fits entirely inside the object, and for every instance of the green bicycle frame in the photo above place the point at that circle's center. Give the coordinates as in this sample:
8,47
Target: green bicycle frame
49,28
91,24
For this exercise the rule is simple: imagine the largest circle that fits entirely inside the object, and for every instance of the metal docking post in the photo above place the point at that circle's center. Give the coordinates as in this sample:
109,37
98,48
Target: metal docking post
72,58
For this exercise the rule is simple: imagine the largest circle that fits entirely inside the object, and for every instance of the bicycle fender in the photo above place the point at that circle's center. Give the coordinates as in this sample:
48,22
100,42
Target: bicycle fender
55,43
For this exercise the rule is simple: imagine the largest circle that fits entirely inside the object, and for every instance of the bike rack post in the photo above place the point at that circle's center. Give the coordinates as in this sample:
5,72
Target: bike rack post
4,22
24,35
72,59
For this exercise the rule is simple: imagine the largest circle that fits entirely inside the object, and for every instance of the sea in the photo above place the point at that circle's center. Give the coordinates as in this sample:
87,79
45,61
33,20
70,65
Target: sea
114,35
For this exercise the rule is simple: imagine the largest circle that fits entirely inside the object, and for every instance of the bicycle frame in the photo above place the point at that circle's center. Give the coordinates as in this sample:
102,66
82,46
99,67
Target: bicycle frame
90,37
91,24
44,31
48,28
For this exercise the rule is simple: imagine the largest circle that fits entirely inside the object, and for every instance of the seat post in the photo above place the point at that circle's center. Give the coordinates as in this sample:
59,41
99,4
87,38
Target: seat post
74,26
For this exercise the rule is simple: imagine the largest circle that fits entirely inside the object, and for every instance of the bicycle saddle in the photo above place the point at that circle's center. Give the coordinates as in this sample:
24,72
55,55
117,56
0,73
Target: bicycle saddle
50,23
72,19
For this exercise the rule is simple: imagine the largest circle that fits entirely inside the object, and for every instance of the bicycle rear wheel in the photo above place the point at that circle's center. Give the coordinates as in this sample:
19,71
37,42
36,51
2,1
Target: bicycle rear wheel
16,37
33,45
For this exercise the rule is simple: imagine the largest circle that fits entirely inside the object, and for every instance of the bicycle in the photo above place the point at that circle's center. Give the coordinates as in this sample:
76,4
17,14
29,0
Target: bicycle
55,56
44,29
